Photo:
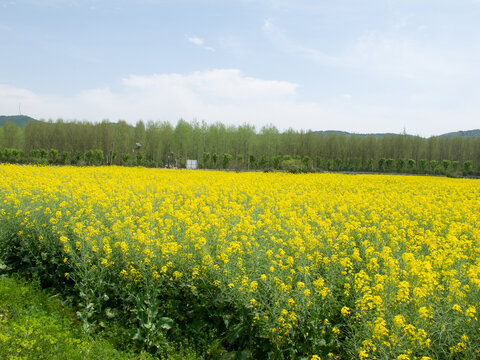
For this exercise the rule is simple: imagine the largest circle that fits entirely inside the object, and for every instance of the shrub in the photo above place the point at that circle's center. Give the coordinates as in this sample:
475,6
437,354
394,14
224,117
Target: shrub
293,166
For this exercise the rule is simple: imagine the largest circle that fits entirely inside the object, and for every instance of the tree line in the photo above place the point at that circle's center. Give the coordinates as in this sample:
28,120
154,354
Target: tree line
160,144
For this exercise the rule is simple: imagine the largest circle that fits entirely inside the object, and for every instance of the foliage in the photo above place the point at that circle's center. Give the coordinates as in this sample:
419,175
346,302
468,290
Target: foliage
277,162
125,159
252,160
293,166
206,159
389,164
308,163
65,155
467,167
139,158
423,165
158,140
98,157
226,160
411,163
35,325
446,165
89,157
215,159
53,156
77,159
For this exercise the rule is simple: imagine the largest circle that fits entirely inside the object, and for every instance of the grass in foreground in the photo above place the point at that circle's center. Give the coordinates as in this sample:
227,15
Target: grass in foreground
36,325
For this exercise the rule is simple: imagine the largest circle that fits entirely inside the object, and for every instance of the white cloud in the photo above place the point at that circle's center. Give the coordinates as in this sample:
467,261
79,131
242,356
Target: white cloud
195,40
216,95
230,85
199,42
228,96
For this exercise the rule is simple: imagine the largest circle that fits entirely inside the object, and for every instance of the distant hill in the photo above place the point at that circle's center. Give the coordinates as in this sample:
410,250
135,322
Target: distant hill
467,133
19,120
346,133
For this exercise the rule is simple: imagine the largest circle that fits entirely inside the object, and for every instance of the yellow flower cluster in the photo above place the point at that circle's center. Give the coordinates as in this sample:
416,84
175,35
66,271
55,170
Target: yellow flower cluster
387,264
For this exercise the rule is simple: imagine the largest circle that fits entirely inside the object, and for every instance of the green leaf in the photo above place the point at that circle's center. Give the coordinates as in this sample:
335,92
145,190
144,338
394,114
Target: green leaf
138,336
165,323
110,314
321,342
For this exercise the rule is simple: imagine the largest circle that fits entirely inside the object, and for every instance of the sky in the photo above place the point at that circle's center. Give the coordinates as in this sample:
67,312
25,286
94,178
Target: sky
363,66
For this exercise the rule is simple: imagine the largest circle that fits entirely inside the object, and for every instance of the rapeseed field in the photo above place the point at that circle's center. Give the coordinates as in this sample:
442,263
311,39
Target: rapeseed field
272,265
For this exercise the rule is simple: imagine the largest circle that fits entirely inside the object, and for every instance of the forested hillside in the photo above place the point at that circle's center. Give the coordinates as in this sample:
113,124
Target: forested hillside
161,144
474,133
19,120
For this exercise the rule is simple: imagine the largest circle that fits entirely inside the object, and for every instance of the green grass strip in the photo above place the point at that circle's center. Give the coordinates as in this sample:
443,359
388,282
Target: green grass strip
36,325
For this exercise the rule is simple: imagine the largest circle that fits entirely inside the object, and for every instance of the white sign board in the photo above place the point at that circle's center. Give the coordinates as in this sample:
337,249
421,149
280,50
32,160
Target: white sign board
191,164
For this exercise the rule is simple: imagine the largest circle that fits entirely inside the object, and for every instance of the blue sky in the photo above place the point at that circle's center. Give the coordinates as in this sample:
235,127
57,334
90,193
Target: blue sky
359,66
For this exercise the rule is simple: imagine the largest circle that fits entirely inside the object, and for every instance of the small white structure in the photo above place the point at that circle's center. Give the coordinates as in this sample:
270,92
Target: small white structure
192,164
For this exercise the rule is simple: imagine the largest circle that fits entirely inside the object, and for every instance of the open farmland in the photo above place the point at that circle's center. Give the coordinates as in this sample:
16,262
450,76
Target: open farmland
269,265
